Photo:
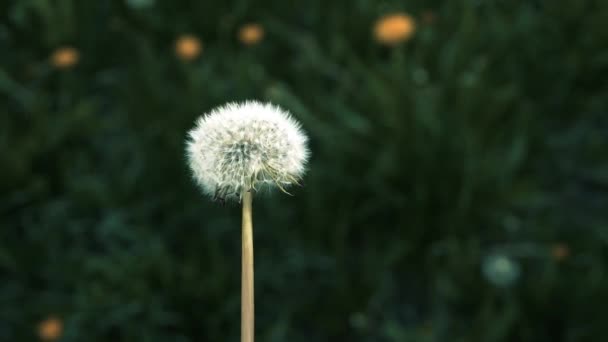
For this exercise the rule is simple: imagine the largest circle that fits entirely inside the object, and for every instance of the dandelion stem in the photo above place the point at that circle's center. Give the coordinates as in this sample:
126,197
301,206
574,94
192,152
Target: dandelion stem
247,306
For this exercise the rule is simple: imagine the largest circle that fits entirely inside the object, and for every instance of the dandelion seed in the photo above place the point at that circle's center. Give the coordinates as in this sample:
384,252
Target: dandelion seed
394,28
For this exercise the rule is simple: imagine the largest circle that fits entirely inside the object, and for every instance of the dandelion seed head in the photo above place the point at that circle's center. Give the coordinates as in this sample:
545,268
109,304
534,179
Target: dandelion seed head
501,270
240,146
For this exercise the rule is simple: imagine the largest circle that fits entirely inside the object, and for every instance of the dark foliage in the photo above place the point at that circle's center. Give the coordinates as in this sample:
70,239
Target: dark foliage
485,134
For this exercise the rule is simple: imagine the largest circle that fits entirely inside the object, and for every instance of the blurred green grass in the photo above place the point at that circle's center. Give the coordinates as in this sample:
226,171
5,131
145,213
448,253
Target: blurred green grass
483,135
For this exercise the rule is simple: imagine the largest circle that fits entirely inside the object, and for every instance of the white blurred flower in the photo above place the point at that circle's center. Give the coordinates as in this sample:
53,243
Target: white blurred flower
500,270
140,4
238,146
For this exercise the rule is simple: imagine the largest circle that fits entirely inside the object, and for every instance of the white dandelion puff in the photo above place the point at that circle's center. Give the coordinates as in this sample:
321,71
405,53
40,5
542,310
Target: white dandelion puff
239,146
500,269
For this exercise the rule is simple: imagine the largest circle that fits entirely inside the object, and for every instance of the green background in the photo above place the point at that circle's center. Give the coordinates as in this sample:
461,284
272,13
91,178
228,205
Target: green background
483,138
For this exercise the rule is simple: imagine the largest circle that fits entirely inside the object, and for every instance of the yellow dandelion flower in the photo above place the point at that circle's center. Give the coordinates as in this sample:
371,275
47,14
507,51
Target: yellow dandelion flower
64,57
428,17
50,329
560,251
394,28
188,47
251,34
